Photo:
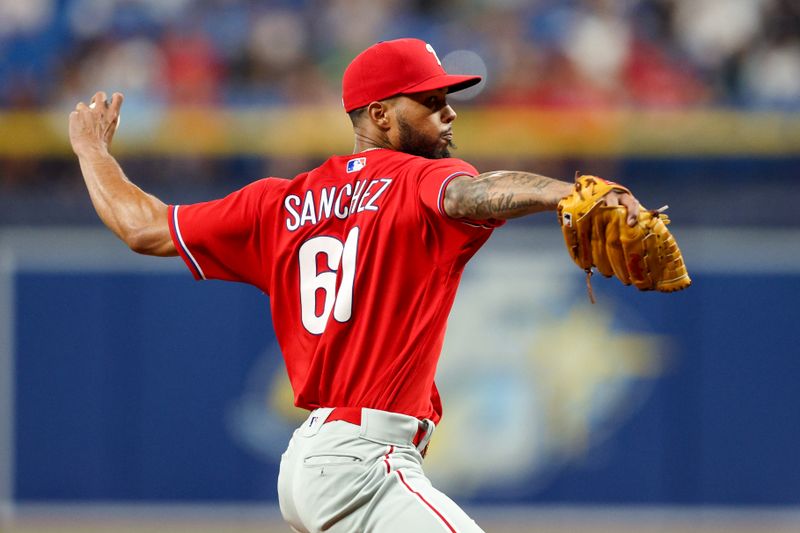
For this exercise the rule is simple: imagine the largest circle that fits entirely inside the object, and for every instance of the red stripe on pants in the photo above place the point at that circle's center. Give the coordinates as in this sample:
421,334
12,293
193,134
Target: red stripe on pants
426,502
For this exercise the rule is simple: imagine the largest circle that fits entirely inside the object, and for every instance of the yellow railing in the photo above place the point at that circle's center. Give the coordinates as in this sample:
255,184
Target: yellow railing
479,132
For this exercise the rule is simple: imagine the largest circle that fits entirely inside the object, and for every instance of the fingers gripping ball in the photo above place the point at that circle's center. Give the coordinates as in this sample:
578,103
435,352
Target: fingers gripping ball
116,122
598,236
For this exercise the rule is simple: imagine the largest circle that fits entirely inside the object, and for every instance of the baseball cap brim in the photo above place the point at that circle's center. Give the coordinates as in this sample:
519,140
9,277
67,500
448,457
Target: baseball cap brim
451,82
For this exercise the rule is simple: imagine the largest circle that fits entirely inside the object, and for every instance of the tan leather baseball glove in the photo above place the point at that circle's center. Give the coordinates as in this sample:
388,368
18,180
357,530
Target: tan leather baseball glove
645,255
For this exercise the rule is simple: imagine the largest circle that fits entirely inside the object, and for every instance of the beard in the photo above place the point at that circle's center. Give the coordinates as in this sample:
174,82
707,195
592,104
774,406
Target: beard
415,143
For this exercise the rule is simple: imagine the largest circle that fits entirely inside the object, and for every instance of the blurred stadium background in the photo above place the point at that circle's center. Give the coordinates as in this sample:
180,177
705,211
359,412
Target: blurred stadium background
133,399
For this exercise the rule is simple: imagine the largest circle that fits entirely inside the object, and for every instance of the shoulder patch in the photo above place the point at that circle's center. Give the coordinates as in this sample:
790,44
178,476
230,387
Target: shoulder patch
354,165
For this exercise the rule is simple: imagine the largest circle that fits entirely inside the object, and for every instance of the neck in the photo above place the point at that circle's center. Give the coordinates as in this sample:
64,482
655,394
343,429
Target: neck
364,142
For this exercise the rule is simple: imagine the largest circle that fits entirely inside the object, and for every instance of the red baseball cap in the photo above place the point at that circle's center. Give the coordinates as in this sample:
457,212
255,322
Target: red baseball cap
402,66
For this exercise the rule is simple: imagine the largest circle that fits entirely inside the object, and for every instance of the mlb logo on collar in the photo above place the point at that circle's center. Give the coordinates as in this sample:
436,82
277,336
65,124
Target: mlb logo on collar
354,165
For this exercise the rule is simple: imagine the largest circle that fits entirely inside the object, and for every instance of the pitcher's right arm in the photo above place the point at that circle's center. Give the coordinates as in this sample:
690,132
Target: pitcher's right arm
139,219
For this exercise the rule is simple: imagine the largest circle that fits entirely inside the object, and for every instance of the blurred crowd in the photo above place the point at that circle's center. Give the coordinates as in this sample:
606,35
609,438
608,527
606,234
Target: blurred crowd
562,53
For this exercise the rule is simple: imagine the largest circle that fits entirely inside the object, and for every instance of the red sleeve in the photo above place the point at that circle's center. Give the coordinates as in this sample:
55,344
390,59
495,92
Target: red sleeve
224,239
433,183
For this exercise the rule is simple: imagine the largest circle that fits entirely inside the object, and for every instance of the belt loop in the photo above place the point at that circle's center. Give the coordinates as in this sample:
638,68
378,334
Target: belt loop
423,442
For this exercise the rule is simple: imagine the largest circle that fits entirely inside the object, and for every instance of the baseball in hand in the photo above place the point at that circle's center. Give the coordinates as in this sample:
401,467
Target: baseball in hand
119,117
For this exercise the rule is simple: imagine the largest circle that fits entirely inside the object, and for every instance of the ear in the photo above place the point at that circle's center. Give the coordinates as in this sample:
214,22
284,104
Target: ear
380,114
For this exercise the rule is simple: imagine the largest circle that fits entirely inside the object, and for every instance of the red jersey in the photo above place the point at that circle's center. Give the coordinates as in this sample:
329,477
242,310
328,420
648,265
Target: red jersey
361,264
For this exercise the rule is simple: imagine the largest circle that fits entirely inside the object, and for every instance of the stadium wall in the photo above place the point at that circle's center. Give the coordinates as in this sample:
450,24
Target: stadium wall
134,383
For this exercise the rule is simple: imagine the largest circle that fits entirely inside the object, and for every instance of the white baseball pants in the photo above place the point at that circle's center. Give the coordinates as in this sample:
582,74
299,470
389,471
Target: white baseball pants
344,478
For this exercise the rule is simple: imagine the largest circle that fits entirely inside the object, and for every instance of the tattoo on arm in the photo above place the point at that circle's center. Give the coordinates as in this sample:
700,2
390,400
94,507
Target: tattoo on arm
504,194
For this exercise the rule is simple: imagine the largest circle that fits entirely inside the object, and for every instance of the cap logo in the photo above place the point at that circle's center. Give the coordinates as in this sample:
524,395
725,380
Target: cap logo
430,49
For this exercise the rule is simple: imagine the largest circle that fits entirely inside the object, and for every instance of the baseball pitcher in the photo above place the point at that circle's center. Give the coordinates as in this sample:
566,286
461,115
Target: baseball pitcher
361,258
